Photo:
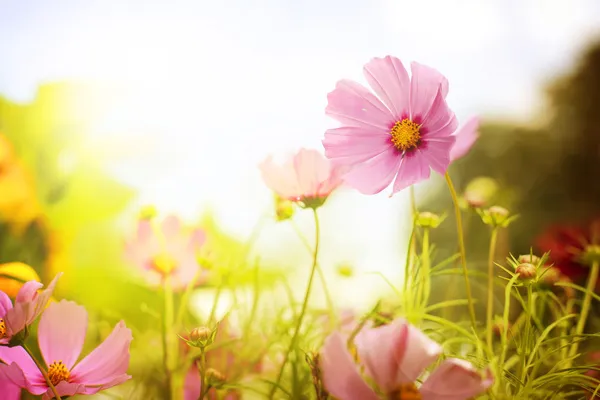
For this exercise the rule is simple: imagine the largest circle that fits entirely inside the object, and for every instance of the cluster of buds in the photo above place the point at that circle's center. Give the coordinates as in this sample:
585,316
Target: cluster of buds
429,220
496,216
201,337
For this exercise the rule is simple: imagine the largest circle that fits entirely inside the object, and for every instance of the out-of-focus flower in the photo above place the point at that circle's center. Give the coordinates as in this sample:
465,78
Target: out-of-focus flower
29,304
480,191
567,244
394,356
61,334
14,275
284,208
496,216
308,178
226,357
466,136
398,135
165,251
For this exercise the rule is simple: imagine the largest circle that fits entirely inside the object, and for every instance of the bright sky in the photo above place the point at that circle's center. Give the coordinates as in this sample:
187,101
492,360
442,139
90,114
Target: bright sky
215,86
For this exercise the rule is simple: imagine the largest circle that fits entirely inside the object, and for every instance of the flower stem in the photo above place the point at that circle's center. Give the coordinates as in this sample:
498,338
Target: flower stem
167,333
202,367
44,373
490,299
461,245
304,306
425,268
585,308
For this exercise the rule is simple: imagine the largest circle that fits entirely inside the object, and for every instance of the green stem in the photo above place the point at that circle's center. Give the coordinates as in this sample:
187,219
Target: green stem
407,265
167,336
202,367
304,306
425,267
461,244
43,372
490,299
528,332
585,308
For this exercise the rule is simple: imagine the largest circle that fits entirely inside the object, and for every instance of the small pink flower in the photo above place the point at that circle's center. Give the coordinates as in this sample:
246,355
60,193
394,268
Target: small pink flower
61,334
466,136
165,251
307,178
397,136
394,356
29,304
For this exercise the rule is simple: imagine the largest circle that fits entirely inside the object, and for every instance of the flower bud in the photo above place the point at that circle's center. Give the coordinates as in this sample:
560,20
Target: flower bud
201,337
147,212
496,217
284,209
345,270
200,333
549,276
214,378
429,220
526,271
480,191
529,258
591,255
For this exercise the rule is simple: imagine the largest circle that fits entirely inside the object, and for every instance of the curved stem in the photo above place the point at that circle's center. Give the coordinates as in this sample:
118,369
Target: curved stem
490,299
43,372
304,306
585,308
461,245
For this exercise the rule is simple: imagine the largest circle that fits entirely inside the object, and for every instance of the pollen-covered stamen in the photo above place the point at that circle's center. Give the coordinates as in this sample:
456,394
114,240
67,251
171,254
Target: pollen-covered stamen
405,134
163,264
58,372
2,329
408,391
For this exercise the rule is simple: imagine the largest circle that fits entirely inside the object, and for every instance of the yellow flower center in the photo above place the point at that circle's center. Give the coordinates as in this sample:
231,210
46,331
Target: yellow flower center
57,372
2,329
408,391
163,264
405,135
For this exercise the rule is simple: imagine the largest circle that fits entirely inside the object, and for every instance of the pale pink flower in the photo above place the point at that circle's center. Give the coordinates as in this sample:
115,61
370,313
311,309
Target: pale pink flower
466,136
29,304
61,334
167,250
397,136
307,178
394,356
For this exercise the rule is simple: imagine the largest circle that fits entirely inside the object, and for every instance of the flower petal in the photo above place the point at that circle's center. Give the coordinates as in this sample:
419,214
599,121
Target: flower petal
438,117
351,145
28,291
389,79
419,353
9,390
413,169
280,178
107,361
5,304
466,136
437,152
61,332
353,104
455,379
65,389
170,226
340,373
375,175
424,85
21,369
312,168
192,384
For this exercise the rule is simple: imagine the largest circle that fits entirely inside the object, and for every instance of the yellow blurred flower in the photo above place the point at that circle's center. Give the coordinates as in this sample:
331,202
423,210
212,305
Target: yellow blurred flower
13,275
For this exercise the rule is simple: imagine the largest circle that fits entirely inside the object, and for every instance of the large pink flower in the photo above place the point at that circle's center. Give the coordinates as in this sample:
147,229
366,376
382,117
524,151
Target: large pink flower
466,136
394,356
397,136
29,304
165,251
307,178
61,334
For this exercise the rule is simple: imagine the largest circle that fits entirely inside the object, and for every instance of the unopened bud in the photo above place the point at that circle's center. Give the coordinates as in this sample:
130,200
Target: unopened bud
284,209
200,333
480,191
529,258
591,255
429,220
496,216
526,271
214,378
549,277
201,337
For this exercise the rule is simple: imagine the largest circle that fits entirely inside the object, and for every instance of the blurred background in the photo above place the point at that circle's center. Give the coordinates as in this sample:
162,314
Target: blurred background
106,106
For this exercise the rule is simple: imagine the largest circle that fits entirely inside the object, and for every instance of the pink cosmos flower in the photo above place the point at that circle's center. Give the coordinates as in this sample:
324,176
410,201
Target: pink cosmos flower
61,334
466,136
307,178
397,136
394,356
9,390
29,304
228,356
167,251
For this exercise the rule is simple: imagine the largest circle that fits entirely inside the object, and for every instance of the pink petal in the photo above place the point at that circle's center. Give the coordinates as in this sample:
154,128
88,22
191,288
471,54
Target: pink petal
144,231
5,304
280,178
340,374
197,239
65,389
389,79
353,104
170,227
118,380
311,170
16,318
455,380
61,332
42,299
413,169
192,385
424,85
107,361
351,145
375,175
419,353
21,369
28,291
439,116
466,136
9,390
437,152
